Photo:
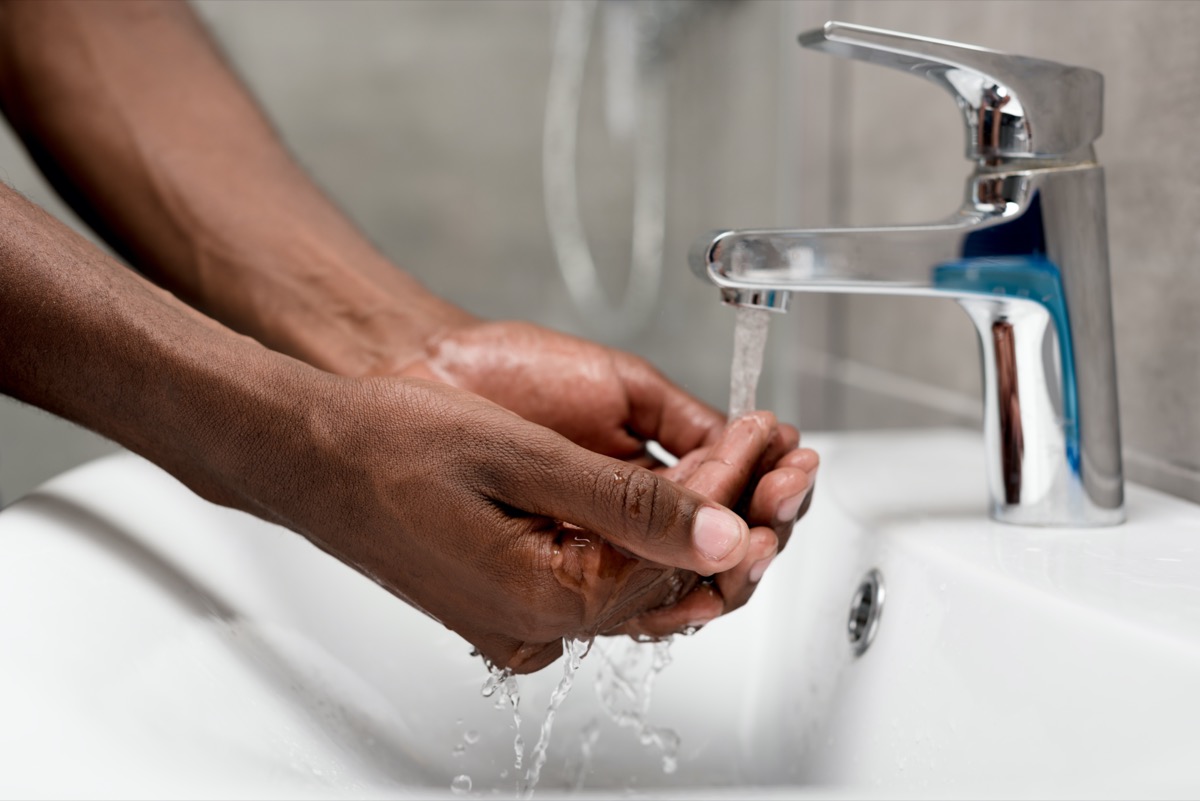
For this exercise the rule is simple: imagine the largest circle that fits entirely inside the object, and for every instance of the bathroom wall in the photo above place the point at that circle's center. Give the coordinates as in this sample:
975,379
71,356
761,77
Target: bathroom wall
424,121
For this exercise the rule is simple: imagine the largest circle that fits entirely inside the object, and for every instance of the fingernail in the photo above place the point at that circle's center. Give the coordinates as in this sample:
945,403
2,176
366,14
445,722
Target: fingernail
760,567
716,533
790,507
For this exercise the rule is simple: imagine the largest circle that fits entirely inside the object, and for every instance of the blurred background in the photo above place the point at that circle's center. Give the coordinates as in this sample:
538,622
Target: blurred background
501,150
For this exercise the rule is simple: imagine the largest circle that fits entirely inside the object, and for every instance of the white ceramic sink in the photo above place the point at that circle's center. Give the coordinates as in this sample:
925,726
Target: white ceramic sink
157,646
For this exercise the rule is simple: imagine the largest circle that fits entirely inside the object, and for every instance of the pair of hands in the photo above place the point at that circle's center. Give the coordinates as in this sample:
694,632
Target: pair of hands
513,461
497,481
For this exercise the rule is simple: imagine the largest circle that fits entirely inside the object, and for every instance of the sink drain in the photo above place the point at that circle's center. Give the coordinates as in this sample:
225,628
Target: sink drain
865,611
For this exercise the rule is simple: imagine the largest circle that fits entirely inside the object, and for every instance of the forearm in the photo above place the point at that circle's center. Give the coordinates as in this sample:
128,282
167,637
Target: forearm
85,338
138,122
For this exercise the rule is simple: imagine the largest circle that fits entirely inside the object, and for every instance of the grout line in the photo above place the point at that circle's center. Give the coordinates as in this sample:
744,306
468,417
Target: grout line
1162,475
1144,459
884,382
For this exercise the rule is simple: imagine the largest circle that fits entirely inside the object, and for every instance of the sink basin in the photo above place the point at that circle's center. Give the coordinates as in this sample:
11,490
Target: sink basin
155,645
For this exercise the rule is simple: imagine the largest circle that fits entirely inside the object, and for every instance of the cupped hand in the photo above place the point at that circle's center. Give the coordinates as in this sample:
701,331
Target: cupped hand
612,402
501,529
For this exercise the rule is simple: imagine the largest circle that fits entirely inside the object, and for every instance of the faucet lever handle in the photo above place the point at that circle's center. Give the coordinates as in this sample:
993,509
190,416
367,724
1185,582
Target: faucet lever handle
1013,106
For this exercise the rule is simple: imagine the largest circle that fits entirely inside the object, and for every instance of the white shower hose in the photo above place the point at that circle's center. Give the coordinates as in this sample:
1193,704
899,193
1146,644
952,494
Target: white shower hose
573,34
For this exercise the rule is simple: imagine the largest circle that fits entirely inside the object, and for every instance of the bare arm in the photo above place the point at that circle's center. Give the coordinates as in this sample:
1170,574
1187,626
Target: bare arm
135,118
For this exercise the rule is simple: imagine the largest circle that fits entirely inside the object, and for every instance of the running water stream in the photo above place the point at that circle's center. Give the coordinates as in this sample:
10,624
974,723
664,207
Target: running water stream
749,343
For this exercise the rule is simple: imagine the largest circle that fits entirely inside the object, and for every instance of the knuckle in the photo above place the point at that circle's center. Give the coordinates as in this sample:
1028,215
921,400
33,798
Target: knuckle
643,503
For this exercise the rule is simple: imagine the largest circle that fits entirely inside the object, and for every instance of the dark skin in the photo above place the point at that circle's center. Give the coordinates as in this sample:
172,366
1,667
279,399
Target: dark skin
491,474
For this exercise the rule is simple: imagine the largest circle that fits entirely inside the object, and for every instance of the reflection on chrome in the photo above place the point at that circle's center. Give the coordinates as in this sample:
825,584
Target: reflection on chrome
1026,256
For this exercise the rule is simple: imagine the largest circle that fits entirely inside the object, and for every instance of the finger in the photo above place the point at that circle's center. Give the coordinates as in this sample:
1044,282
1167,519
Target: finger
696,609
730,464
662,411
783,442
633,508
532,657
520,657
738,584
683,469
804,458
778,497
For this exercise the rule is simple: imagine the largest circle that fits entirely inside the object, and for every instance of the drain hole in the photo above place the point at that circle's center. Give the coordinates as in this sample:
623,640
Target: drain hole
865,610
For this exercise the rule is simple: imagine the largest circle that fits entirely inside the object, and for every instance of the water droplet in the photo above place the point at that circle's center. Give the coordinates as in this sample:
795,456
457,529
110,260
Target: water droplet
471,737
460,749
461,784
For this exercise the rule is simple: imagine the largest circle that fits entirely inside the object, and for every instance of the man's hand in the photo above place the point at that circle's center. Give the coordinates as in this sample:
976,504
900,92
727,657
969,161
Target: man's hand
504,531
602,399
612,402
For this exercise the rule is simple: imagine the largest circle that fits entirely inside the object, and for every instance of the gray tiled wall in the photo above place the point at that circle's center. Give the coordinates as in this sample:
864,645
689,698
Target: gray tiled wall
424,121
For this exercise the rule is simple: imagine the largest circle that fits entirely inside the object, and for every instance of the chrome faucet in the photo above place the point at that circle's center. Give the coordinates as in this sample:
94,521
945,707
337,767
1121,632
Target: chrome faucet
1026,256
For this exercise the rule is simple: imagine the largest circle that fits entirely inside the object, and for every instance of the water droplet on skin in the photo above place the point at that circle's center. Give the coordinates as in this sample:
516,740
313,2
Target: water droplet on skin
461,784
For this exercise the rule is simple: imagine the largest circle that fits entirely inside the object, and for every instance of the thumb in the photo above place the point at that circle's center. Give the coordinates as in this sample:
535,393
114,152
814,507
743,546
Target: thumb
633,508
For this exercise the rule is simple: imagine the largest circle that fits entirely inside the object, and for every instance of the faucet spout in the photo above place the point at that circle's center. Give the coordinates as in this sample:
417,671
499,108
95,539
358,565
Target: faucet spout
893,260
1026,256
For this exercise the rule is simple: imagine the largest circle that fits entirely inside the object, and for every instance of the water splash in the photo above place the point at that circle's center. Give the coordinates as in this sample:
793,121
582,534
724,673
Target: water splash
503,680
749,343
624,686
588,736
573,651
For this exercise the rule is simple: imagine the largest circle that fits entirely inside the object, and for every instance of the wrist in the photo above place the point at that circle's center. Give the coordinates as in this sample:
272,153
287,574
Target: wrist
353,313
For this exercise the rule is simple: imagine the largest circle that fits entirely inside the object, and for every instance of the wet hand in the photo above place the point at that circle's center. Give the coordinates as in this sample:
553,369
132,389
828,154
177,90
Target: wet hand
501,529
600,398
612,402
771,494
